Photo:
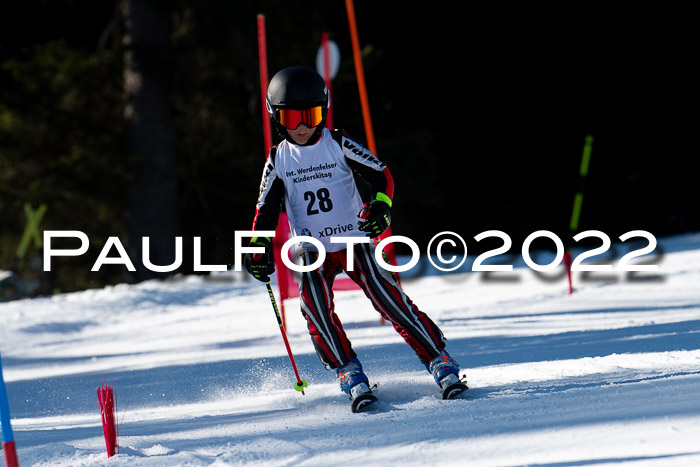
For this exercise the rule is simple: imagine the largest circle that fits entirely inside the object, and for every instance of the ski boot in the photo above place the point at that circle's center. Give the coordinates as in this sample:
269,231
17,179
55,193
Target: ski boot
354,382
445,370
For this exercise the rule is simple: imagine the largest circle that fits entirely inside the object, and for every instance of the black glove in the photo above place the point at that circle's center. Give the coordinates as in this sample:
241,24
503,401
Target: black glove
377,216
260,265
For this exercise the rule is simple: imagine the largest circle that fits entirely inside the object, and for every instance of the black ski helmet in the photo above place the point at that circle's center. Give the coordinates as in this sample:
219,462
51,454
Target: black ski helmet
297,88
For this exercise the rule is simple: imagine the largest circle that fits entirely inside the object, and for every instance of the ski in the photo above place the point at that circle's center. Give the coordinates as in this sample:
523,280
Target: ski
453,387
362,397
363,402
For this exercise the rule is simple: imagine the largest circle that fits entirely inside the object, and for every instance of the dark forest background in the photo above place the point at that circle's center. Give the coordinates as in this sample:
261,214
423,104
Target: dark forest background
135,118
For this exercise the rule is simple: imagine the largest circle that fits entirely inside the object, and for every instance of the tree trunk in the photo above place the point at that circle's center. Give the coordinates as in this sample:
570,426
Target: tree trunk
150,134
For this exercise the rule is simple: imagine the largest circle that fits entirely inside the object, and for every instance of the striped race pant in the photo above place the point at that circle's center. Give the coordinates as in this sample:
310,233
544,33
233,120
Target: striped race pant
316,296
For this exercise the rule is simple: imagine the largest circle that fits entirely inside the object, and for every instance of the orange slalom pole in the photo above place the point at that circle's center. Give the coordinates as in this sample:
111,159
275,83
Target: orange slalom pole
364,101
359,71
327,77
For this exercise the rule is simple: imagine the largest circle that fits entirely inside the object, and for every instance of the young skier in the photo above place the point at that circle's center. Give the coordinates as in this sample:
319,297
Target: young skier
311,173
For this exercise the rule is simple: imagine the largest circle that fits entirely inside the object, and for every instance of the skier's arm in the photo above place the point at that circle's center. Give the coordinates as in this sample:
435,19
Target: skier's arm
376,214
271,197
373,171
267,213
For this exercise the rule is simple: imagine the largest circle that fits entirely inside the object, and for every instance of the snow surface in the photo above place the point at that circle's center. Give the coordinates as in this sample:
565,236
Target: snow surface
609,375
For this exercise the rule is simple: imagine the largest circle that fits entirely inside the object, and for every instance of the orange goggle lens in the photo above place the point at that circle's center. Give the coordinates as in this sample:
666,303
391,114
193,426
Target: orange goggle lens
292,118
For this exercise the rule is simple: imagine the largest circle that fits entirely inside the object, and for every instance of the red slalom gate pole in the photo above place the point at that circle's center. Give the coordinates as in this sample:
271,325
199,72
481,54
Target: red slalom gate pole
8,440
107,403
262,57
300,384
567,264
282,276
10,451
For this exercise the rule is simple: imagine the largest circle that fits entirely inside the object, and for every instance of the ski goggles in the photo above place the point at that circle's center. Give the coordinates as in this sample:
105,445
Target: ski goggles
292,118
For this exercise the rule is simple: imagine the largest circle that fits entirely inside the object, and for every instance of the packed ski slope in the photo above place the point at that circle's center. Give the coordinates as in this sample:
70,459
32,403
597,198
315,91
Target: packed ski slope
607,375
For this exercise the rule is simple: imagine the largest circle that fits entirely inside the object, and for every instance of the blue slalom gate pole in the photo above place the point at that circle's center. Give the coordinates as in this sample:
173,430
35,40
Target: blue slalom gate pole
8,440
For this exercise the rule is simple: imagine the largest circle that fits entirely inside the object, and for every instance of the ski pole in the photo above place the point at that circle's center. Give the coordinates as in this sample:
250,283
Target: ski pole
300,384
